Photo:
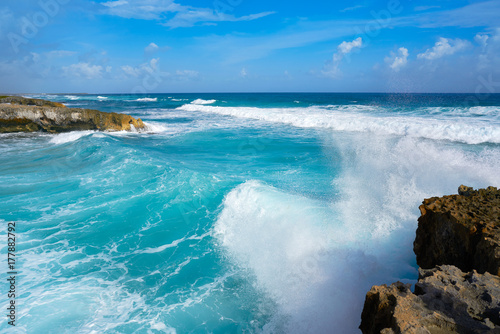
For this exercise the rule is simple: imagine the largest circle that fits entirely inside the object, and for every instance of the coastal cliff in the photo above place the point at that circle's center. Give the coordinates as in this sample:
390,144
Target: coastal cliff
458,291
18,114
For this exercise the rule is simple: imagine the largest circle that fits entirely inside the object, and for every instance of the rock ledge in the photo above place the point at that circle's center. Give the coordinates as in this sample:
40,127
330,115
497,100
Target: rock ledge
18,114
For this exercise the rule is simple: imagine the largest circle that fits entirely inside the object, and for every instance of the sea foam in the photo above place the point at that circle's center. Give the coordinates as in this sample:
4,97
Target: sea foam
318,258
363,119
67,137
202,102
147,99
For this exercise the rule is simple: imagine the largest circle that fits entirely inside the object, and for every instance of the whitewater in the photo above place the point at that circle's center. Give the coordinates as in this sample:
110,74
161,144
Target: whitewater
232,213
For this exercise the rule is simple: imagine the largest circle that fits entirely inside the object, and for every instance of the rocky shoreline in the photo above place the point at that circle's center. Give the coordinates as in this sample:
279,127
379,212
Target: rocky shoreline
19,114
457,246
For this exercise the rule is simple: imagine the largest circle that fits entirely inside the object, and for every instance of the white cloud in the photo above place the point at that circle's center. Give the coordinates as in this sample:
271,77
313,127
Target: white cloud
38,65
141,9
347,47
153,64
131,71
443,47
151,48
183,16
476,14
83,70
343,49
60,54
243,73
398,60
189,18
348,9
482,40
145,69
114,3
490,49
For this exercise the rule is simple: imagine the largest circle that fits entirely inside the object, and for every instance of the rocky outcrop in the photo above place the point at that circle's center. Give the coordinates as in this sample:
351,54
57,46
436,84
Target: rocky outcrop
18,114
453,231
446,300
29,102
462,230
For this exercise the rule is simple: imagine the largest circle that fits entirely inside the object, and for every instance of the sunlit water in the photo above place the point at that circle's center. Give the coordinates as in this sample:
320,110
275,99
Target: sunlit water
232,213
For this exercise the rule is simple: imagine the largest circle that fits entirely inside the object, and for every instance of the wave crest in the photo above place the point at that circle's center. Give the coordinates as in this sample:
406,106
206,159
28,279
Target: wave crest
147,99
357,118
202,102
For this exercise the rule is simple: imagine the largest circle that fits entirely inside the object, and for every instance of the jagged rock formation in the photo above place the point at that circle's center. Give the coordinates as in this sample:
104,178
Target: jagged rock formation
446,300
459,231
18,114
462,230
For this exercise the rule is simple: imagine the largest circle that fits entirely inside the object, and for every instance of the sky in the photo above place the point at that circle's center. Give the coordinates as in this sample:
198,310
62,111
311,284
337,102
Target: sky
162,46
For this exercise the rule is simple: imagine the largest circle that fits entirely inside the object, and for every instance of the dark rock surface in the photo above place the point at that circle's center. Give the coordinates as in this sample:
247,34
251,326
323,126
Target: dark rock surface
18,114
453,231
461,230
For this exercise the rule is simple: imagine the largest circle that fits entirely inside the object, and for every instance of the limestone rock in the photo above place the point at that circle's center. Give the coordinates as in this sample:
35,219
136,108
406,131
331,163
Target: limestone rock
453,231
465,191
461,230
29,102
446,300
53,117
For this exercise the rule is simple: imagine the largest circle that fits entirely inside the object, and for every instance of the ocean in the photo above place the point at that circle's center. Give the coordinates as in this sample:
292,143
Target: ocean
231,213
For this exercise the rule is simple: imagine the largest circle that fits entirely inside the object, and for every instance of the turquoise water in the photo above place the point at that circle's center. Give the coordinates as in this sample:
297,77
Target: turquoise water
232,213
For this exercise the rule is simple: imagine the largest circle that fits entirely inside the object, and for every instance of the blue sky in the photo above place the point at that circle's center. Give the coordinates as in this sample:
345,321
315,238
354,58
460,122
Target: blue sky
155,46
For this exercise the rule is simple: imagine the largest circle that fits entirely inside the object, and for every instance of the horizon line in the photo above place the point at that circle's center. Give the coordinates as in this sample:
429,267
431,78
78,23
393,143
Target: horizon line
274,92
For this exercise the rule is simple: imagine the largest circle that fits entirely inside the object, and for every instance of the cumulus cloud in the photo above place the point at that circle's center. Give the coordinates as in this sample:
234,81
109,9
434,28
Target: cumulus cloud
131,71
443,47
482,39
490,49
83,70
398,60
149,68
151,48
344,48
